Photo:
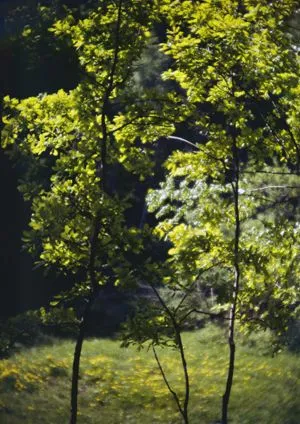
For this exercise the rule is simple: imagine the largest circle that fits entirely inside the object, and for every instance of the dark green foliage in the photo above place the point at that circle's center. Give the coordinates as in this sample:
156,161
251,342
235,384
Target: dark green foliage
35,327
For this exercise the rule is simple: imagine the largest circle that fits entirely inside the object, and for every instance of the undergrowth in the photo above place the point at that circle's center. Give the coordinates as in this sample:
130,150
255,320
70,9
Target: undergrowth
124,385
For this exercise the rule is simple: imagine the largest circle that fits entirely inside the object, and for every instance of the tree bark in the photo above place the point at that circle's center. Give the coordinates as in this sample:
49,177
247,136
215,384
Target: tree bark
76,360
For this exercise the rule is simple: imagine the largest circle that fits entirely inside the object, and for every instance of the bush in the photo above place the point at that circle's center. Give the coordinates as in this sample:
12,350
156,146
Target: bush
293,336
34,327
23,329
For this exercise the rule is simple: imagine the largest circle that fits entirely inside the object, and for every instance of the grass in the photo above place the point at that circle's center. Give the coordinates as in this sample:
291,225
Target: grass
124,385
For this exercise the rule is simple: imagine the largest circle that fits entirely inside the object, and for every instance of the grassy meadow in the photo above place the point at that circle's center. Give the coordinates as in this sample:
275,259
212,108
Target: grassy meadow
124,385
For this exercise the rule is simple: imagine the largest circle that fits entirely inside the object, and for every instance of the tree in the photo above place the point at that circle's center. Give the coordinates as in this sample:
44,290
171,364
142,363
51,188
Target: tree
158,322
239,78
75,140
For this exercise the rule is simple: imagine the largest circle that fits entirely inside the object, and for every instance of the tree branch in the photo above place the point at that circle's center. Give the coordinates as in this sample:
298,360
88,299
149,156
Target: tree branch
174,394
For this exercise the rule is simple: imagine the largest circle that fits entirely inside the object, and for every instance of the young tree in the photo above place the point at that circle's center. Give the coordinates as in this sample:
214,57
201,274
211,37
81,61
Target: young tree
238,73
158,322
70,144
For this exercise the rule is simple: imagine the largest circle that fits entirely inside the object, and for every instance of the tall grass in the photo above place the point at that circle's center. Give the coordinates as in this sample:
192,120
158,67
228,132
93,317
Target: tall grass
124,385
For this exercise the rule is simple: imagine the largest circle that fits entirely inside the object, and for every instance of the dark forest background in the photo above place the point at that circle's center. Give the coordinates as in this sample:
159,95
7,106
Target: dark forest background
27,70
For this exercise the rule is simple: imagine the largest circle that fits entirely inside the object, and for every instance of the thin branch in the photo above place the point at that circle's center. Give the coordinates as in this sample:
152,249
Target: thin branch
191,287
135,118
282,114
241,191
172,137
188,292
174,394
268,172
290,132
198,311
108,91
162,302
293,27
116,53
196,147
176,326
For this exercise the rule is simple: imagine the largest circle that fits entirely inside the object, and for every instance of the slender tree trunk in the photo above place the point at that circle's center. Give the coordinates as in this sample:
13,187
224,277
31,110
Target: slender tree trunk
76,360
186,375
229,382
236,284
84,320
